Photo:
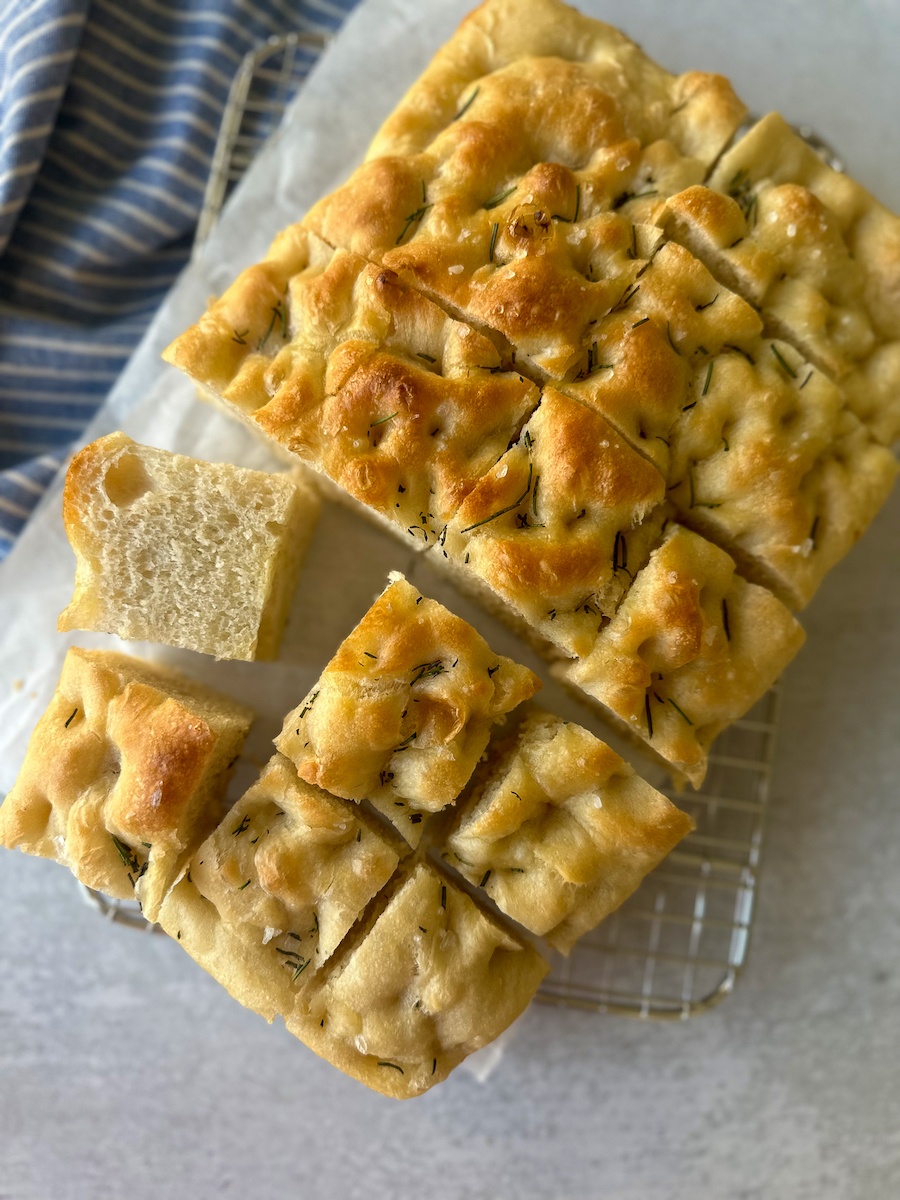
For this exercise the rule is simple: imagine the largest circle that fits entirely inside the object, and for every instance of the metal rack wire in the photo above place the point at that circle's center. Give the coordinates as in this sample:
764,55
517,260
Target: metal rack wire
677,946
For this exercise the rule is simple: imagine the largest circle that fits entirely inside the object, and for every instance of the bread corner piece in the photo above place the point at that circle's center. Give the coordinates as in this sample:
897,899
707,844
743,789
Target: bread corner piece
691,648
188,553
403,712
431,980
560,830
124,775
274,889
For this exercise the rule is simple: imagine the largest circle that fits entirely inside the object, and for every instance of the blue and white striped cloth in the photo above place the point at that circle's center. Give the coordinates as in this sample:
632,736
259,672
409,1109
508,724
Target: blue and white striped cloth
109,113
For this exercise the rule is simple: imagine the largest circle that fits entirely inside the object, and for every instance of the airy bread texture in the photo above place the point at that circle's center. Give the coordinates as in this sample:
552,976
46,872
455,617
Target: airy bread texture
559,830
403,712
125,774
170,549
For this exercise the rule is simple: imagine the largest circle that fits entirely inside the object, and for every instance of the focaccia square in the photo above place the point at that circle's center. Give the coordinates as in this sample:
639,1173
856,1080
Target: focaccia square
125,774
402,713
365,381
814,251
271,893
431,980
559,830
767,461
558,528
690,649
638,362
188,553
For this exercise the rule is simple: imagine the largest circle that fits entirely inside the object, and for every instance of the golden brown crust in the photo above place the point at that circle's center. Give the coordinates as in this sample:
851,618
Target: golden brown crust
560,830
432,980
692,647
371,384
124,775
402,713
768,463
697,112
815,251
273,891
559,526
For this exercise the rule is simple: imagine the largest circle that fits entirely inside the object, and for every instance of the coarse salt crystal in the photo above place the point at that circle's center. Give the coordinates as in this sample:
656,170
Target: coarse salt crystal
792,230
623,163
270,932
456,269
503,472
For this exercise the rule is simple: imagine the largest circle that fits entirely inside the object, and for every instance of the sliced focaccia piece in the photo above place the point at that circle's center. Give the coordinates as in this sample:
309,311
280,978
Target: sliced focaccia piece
171,549
697,112
403,712
274,889
767,461
559,830
125,774
814,251
366,381
557,529
691,648
637,364
410,996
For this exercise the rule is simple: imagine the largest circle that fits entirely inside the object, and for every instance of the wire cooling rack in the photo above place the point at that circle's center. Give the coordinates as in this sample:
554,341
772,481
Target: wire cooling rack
677,946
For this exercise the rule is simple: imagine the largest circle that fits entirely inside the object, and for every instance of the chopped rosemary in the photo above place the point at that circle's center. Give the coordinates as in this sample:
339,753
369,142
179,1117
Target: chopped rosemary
669,338
359,835
381,420
239,337
642,321
245,821
415,818
620,553
368,654
725,624
433,1066
782,362
571,220
812,532
680,712
307,707
424,197
405,744
244,885
128,857
537,480
485,877
725,443
468,104
626,299
509,508
806,381
385,1063
492,671
428,670
493,240
708,304
411,220
443,896
385,777
649,715
499,198
72,718
709,371
428,358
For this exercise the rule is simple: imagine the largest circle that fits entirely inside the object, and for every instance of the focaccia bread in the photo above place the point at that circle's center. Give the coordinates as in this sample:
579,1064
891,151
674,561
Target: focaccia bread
367,382
767,461
188,553
272,892
557,529
691,648
125,774
402,713
432,979
559,830
814,251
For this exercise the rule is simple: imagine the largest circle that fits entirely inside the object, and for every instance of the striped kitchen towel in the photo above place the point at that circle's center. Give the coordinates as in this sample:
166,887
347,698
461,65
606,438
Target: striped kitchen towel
108,119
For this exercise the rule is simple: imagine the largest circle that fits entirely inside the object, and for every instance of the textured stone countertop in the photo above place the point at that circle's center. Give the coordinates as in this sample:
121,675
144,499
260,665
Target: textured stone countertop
126,1072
